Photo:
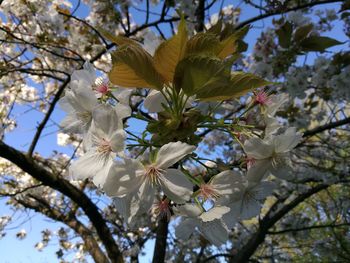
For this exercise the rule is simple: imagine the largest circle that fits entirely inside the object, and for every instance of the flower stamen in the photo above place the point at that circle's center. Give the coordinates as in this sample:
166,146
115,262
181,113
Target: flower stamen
104,146
207,191
153,174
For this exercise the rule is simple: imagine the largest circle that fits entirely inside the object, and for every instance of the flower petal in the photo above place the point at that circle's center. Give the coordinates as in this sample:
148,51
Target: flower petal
188,210
154,101
106,119
117,141
176,186
89,165
185,228
215,232
257,148
227,182
172,152
288,140
214,213
124,178
259,170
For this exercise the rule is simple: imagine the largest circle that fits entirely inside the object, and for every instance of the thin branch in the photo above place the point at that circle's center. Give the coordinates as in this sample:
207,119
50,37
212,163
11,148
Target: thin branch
28,165
278,12
161,240
244,254
284,231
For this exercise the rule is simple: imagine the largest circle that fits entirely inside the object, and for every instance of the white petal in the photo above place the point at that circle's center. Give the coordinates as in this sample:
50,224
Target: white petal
71,124
122,204
185,228
176,186
276,102
283,171
118,141
215,232
288,140
259,170
142,200
89,165
86,98
257,148
262,190
106,119
124,178
214,213
227,182
154,101
123,95
231,218
244,209
123,110
101,175
172,152
189,210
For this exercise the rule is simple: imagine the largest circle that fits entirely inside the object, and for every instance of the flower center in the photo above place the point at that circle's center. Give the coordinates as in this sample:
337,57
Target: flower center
278,159
102,86
162,209
207,191
262,98
153,174
250,162
84,116
104,146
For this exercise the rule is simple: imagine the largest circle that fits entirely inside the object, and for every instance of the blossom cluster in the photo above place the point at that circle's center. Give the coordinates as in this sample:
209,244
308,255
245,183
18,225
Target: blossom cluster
158,182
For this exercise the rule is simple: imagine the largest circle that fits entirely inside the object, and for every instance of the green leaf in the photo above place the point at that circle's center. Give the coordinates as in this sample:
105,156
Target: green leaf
284,34
345,6
118,40
302,32
199,72
240,83
202,43
233,43
216,29
318,43
134,67
170,52
210,79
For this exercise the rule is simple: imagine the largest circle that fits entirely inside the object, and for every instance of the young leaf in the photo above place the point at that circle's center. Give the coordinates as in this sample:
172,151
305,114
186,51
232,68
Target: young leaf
284,34
318,43
240,83
232,44
170,52
202,43
119,40
134,67
198,72
302,32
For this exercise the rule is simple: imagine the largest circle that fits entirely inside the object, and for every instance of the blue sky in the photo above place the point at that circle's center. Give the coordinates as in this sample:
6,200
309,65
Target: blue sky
14,251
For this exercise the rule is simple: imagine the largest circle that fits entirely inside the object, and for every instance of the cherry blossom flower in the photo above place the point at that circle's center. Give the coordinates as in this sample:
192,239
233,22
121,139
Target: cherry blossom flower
139,182
272,153
209,223
224,183
105,139
247,203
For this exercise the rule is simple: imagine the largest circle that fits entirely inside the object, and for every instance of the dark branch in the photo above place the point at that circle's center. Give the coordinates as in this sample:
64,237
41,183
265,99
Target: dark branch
28,165
268,221
278,12
161,237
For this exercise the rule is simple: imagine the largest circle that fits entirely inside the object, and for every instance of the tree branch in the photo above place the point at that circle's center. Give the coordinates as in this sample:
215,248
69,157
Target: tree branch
161,243
278,12
268,221
307,228
90,243
28,165
325,127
